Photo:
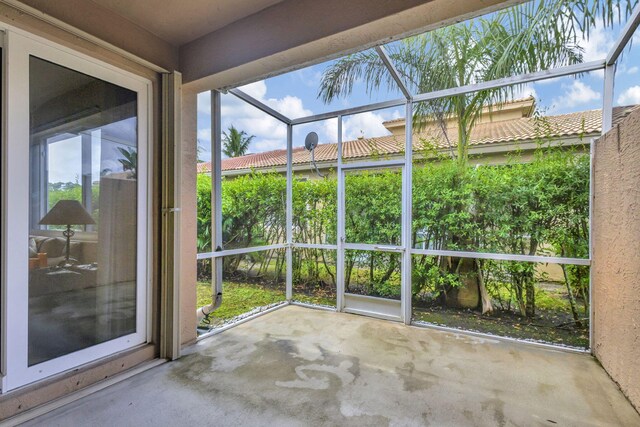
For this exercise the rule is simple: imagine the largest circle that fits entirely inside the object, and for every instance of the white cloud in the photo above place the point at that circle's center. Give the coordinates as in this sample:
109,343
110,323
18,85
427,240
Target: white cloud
330,128
308,76
598,45
597,73
249,119
396,114
550,81
264,145
525,91
204,103
632,70
630,96
204,134
257,90
366,125
290,106
270,133
576,93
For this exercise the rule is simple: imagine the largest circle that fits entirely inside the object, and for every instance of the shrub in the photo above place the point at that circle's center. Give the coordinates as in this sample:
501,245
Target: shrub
538,207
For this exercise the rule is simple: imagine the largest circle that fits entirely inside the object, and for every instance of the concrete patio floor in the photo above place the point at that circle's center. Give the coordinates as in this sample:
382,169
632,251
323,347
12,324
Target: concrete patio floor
298,366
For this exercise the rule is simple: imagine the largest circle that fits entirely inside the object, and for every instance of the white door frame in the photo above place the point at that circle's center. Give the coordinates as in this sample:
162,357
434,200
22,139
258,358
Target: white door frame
19,46
383,308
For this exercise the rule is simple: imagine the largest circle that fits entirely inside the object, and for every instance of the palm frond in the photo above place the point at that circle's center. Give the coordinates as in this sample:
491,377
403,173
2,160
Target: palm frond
522,39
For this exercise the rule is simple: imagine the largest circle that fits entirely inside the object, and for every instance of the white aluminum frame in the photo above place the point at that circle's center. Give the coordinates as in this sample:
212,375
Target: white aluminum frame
20,45
314,246
382,53
216,190
407,218
240,251
216,256
260,106
289,214
624,38
340,288
607,64
592,151
370,305
372,165
607,98
504,257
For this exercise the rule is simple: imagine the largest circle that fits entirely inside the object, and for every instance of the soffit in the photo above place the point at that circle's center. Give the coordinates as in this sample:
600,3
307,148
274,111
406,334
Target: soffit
179,22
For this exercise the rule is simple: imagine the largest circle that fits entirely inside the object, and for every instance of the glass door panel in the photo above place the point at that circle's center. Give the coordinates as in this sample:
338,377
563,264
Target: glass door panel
87,276
77,157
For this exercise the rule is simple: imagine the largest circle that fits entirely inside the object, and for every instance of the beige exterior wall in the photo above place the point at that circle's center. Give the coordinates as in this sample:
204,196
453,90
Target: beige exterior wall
616,255
23,399
188,224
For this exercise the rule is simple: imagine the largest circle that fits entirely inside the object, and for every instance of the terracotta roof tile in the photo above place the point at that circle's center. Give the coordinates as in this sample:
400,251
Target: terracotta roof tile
522,129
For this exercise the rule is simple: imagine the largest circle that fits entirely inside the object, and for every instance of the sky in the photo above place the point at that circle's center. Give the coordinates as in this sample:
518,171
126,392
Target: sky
65,151
294,94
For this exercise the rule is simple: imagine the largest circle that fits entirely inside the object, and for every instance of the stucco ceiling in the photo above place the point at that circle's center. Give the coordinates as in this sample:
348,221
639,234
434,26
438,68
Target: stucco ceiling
181,21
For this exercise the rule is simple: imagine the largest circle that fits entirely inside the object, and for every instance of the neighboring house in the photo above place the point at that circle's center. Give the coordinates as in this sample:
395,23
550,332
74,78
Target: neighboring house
499,130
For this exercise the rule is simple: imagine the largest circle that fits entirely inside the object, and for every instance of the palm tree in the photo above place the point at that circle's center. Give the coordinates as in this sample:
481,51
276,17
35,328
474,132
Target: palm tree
129,161
522,39
235,143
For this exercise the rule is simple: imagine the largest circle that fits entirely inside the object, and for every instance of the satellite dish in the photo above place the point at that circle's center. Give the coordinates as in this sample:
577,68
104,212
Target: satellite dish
311,141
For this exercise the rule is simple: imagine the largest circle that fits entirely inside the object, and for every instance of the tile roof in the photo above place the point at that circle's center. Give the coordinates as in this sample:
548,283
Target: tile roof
520,129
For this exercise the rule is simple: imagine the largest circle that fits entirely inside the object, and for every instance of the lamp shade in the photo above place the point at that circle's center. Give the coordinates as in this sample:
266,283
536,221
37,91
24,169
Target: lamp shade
67,212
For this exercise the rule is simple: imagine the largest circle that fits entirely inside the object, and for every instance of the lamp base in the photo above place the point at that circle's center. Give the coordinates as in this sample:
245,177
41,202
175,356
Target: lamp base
68,233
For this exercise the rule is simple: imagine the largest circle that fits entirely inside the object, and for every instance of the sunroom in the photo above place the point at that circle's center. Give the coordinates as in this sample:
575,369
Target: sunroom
319,214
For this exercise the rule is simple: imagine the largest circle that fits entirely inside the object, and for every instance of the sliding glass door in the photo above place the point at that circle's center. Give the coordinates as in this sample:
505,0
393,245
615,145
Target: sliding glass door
76,211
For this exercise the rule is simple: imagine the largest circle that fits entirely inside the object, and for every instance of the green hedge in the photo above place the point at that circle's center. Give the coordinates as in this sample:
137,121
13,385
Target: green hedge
537,207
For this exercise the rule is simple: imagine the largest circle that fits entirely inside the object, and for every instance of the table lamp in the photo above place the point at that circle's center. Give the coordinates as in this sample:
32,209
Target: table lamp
67,212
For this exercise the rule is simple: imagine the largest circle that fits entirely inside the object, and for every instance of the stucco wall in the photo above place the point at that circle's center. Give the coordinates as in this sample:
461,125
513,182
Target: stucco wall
616,255
188,223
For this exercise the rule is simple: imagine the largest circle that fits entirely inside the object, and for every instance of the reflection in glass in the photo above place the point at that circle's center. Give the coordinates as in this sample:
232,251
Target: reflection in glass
83,186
